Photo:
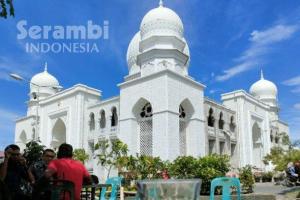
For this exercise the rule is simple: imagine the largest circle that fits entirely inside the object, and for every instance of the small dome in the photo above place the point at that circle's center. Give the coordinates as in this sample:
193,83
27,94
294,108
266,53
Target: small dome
264,89
44,79
133,52
161,21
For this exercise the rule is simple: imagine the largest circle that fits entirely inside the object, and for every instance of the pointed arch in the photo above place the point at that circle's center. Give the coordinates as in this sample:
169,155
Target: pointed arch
102,120
92,121
188,108
58,133
211,118
23,137
143,113
114,117
186,111
232,124
221,121
257,145
138,106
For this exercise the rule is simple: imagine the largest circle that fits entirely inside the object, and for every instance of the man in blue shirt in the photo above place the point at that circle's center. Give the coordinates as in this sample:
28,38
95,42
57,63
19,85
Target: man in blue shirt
292,173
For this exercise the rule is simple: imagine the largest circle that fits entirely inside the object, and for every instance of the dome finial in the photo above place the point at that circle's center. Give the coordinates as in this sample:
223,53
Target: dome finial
161,3
46,67
262,75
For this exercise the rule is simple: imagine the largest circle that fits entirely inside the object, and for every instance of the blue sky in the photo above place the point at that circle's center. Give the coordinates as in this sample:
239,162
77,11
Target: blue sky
230,41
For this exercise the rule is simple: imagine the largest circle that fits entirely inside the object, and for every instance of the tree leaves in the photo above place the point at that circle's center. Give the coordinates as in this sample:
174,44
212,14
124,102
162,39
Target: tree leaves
4,4
81,155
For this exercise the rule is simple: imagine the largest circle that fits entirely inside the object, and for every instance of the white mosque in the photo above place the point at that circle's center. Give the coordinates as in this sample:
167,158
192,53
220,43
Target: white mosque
161,110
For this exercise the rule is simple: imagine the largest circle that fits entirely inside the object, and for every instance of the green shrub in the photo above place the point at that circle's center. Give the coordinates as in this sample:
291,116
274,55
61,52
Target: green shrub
206,168
184,167
246,178
33,151
267,176
210,167
149,167
140,167
280,158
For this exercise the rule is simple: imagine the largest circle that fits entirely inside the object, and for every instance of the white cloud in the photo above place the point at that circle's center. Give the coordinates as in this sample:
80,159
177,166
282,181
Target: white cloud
261,42
274,34
212,91
295,81
8,66
235,70
7,117
297,106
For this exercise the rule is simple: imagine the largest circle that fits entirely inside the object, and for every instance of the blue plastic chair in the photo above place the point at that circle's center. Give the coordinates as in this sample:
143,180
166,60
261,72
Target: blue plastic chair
115,183
226,184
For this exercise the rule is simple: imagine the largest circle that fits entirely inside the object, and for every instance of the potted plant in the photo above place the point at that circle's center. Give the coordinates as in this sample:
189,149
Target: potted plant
257,176
267,177
278,176
247,179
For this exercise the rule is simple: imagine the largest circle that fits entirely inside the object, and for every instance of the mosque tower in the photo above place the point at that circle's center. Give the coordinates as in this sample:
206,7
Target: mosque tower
161,107
159,44
42,85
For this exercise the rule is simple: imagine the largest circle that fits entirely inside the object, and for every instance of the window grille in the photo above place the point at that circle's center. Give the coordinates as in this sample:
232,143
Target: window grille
182,137
146,145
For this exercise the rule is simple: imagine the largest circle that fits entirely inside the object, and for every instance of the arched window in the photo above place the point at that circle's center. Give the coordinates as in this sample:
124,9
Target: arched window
59,132
23,137
182,113
145,124
146,111
92,122
221,121
182,131
257,145
102,119
211,118
232,124
271,138
114,117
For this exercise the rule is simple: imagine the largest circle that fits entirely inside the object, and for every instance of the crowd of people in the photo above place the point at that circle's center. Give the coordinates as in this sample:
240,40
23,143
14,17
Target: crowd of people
21,182
293,173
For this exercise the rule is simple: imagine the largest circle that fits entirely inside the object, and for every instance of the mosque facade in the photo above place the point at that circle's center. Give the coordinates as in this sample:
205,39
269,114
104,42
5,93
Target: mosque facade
160,111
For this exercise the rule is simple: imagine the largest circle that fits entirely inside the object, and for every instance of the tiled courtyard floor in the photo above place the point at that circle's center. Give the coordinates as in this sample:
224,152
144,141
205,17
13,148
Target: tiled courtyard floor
278,190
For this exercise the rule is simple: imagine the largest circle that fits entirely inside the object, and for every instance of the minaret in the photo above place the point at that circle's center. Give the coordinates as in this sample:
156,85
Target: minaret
162,45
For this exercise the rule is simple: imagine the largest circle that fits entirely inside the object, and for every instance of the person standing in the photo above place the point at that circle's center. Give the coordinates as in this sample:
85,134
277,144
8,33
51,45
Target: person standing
14,173
39,167
66,168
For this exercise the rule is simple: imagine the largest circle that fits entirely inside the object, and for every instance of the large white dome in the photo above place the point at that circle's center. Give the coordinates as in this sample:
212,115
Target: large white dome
44,79
161,21
132,53
264,89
